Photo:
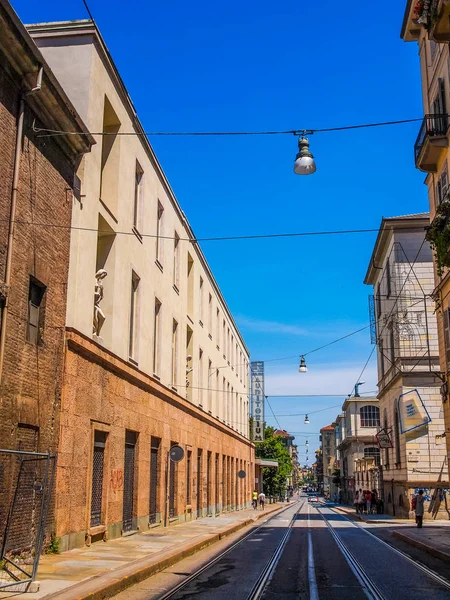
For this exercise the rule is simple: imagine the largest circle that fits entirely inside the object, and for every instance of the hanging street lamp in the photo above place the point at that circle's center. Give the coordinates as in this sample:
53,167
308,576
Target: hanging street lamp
304,161
302,366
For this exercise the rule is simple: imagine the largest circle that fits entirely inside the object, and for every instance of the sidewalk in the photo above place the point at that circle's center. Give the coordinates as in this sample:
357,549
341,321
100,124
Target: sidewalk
432,540
105,568
349,512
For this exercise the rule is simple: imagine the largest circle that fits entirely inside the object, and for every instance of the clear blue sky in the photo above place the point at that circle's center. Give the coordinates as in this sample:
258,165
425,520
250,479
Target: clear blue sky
262,65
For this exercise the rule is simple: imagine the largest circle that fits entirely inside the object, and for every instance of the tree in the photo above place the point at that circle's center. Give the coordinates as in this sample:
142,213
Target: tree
273,448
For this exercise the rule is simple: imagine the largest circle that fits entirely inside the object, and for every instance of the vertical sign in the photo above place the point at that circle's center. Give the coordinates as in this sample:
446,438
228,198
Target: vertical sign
257,399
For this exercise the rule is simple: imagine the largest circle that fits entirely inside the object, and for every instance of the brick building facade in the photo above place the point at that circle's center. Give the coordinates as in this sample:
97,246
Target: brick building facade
36,188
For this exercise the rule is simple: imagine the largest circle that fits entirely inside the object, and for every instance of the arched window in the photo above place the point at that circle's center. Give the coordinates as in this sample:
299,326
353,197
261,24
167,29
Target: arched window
398,458
370,416
372,451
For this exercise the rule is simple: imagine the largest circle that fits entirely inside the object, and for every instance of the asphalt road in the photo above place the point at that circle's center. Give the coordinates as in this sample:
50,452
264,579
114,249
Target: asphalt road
325,557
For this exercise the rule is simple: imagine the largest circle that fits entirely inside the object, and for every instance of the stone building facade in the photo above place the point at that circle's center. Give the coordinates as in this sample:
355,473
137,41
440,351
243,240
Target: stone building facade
428,24
153,354
36,196
401,272
327,435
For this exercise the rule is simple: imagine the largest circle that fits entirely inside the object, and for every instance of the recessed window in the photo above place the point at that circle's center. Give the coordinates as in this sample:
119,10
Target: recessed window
159,233
372,452
134,315
370,416
138,197
202,301
176,260
35,325
174,352
156,336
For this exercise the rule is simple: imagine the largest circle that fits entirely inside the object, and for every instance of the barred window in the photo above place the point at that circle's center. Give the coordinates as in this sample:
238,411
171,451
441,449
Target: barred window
372,451
370,416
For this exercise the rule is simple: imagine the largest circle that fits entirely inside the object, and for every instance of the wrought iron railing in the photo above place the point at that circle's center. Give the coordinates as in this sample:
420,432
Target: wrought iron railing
432,126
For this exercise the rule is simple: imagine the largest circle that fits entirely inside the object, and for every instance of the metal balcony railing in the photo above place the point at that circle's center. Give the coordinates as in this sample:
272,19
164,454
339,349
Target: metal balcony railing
432,126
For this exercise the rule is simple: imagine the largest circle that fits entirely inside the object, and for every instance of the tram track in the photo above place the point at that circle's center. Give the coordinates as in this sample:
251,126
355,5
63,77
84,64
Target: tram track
265,573
370,587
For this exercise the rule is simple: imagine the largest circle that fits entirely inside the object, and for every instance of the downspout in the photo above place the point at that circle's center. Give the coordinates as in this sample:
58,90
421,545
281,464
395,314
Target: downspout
12,214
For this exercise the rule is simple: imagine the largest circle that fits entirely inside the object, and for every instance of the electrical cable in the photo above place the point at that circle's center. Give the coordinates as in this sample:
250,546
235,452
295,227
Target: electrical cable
297,132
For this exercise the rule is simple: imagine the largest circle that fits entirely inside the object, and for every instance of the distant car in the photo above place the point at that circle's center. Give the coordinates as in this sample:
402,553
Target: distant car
313,497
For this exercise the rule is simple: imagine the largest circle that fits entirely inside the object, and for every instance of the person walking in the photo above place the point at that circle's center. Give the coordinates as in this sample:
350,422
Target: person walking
255,499
368,497
419,508
262,500
356,501
374,501
362,501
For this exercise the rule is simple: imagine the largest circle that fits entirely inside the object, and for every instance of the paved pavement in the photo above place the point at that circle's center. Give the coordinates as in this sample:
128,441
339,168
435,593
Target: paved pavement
85,572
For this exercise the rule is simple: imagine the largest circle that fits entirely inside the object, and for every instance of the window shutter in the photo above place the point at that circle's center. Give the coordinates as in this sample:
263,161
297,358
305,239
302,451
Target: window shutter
438,192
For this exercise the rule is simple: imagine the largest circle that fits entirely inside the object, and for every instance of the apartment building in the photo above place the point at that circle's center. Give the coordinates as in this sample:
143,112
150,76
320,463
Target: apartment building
361,422
327,436
405,330
154,357
428,24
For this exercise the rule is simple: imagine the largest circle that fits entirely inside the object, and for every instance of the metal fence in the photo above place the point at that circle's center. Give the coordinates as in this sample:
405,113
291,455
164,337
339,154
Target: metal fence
26,482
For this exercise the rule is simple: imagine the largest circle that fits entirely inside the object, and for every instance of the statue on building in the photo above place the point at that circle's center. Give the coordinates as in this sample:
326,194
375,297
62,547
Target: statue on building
99,315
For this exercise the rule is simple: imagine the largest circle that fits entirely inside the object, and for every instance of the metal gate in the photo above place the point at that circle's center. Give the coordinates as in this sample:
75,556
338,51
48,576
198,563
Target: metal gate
26,483
208,483
216,485
97,478
128,481
199,484
154,488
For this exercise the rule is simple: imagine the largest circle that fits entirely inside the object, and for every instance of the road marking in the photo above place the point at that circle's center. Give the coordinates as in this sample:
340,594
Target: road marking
313,591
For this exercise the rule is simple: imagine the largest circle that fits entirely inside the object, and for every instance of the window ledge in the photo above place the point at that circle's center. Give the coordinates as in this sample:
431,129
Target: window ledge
137,234
156,376
210,336
189,318
159,265
217,347
133,361
174,388
200,323
176,289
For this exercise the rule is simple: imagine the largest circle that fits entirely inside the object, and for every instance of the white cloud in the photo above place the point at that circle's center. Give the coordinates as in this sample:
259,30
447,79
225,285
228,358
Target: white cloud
270,326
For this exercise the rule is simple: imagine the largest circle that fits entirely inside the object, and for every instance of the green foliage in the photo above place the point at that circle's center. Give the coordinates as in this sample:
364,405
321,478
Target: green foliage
54,545
438,235
336,476
273,448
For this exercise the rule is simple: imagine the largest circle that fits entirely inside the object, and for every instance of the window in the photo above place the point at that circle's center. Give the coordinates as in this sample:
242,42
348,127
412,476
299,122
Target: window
190,282
210,373
232,352
446,316
200,377
386,451
370,416
381,357
155,474
134,315
109,174
224,338
433,49
36,309
138,197
442,187
398,458
176,260
218,327
378,301
159,233
201,299
392,343
228,345
156,336
373,451
388,279
210,315
174,352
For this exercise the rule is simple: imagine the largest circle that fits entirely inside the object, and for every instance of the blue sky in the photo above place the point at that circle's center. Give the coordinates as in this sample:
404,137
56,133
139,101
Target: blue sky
274,66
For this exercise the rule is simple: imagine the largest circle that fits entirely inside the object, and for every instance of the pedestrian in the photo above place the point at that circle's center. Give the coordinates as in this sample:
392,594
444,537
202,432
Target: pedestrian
340,496
356,501
255,499
418,507
335,497
374,501
262,499
362,501
368,497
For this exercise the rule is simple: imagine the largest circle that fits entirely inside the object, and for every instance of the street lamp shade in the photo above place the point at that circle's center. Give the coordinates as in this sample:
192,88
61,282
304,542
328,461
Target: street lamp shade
302,366
304,161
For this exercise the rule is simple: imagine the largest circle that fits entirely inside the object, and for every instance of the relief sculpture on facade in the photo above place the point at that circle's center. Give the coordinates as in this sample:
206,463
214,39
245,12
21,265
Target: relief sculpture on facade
99,315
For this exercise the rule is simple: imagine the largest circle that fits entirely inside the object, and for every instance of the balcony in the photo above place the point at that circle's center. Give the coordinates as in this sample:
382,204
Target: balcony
438,21
431,143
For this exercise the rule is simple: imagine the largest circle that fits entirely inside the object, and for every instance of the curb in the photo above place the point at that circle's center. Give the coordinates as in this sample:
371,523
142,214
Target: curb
422,546
106,585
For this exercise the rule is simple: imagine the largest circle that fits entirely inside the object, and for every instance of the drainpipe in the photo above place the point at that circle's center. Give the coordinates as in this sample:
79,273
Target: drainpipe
12,214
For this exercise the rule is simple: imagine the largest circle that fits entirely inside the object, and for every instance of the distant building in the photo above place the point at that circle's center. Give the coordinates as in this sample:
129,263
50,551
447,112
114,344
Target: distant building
287,440
405,330
329,458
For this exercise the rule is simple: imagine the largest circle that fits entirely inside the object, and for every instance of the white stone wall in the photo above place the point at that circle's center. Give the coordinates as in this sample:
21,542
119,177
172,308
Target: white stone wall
83,69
